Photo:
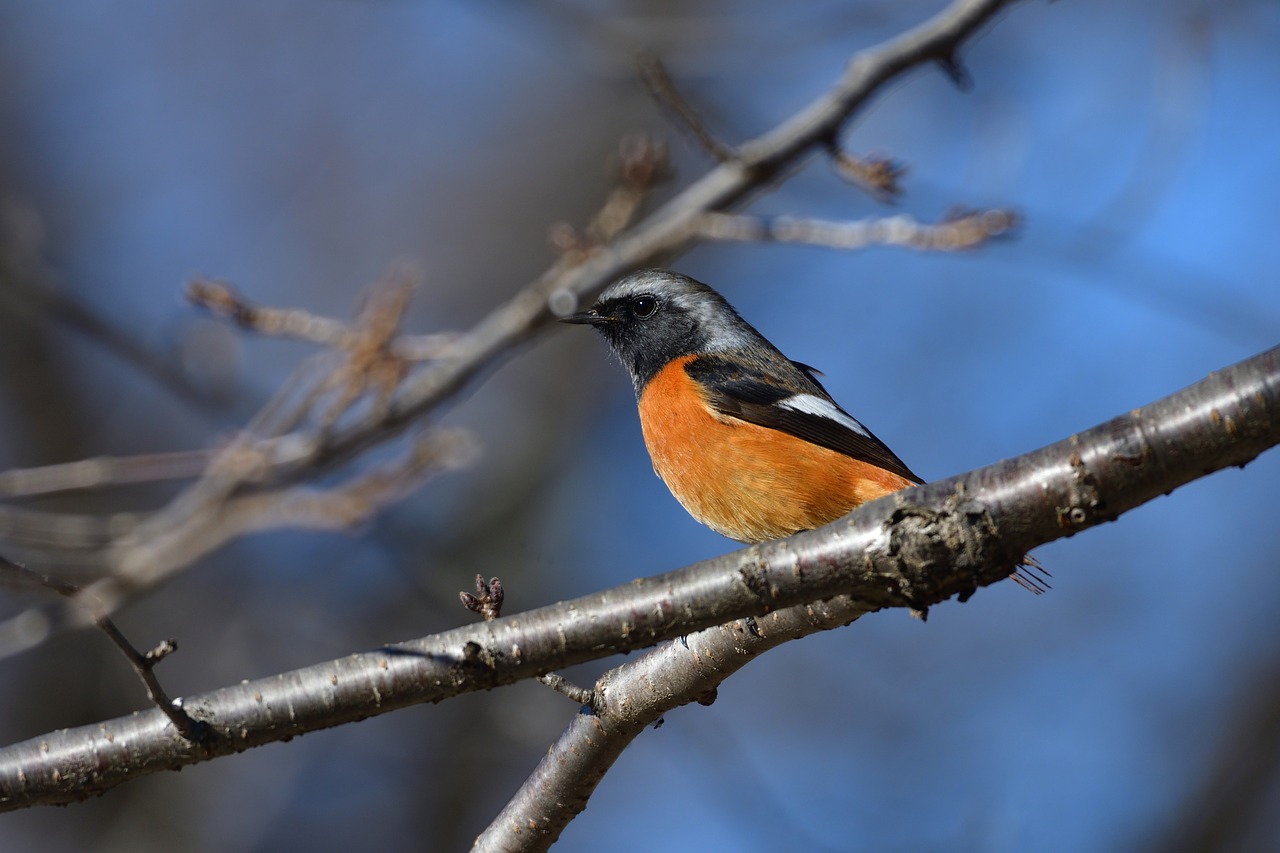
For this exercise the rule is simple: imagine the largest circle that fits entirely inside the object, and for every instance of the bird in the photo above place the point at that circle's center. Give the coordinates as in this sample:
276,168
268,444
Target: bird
747,440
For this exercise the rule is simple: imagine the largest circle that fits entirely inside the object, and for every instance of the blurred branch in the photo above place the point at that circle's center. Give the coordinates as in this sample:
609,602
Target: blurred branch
66,310
383,308
145,554
28,291
233,496
61,531
964,230
1232,806
369,347
661,88
878,176
102,471
915,548
642,165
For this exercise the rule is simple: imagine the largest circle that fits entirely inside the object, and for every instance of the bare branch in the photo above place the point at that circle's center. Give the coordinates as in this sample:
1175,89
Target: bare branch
636,695
656,79
565,687
642,165
143,664
234,495
102,471
915,548
370,361
61,531
960,231
147,553
220,298
25,283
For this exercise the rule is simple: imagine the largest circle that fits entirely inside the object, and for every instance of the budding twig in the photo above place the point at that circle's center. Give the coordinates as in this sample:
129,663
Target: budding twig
487,601
143,663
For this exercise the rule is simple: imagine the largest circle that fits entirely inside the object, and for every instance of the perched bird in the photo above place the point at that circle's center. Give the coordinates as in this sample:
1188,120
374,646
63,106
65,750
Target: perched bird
747,440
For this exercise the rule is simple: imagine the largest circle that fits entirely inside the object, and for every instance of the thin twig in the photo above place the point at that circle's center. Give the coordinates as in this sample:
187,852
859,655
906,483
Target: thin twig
23,289
565,687
335,507
143,664
661,88
878,176
642,165
62,531
370,364
663,233
220,298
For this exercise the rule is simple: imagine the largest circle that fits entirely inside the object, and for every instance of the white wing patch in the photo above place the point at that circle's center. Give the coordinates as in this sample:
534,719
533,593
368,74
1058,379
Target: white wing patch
812,404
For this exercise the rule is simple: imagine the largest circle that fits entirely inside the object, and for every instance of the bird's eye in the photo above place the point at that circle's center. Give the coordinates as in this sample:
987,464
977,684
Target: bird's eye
644,306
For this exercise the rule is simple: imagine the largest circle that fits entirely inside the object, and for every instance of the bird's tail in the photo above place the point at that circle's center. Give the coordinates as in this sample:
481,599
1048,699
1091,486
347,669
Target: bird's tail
1031,576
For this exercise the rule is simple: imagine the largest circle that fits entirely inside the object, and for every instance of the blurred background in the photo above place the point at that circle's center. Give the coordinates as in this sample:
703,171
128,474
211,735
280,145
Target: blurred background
299,149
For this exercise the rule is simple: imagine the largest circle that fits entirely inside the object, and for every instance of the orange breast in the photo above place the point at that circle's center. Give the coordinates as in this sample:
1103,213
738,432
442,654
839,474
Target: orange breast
748,482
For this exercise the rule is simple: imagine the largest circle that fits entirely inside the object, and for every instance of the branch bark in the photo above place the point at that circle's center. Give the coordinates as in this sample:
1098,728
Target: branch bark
915,549
633,697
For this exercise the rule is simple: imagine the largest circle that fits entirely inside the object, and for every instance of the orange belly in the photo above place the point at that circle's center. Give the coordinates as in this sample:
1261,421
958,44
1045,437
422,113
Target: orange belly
748,482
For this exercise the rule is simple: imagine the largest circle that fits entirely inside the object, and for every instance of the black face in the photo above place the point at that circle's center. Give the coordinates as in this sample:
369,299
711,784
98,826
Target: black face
646,330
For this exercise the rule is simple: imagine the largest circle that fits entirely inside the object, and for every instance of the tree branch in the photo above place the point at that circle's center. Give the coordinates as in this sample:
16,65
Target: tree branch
915,548
101,472
629,699
962,230
152,550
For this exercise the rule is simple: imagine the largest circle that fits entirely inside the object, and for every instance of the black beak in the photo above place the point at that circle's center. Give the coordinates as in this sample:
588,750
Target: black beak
587,318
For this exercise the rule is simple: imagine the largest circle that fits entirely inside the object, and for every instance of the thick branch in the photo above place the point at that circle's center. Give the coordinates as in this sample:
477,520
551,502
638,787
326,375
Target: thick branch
915,548
634,696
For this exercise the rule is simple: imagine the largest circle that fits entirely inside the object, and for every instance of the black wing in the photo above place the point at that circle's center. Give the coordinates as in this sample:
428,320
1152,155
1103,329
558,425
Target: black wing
743,392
